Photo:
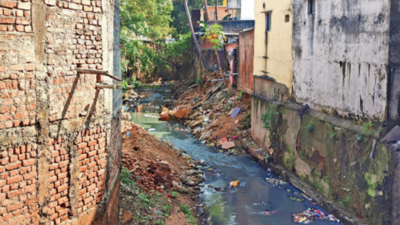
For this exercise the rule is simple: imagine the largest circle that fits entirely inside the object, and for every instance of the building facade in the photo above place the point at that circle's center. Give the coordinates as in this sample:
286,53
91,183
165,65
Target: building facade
341,57
273,41
60,137
329,70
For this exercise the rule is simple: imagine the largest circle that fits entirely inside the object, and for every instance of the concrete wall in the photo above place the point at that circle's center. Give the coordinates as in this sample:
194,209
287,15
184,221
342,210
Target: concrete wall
348,173
276,44
341,56
56,142
222,12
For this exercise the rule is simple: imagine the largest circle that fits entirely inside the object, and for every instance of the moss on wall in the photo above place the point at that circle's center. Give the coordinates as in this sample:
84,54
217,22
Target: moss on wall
336,162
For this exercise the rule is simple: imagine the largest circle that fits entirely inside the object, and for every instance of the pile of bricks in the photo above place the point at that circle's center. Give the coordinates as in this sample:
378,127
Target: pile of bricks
150,175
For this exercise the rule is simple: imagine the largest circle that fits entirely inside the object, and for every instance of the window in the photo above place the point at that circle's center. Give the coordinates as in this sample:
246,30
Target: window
311,6
267,22
287,18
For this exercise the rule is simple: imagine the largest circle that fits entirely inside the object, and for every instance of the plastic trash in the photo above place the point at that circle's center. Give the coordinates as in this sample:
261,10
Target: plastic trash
266,213
128,133
152,130
310,215
234,183
234,138
260,203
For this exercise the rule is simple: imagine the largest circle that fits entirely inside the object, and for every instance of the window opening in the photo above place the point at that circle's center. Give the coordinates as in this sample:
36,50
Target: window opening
267,22
311,6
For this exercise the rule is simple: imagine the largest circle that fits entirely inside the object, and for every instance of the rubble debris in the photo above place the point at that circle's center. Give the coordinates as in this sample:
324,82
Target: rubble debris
150,175
275,182
228,145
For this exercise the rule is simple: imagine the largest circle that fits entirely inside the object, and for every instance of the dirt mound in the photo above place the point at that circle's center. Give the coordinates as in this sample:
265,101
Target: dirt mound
142,145
160,185
150,175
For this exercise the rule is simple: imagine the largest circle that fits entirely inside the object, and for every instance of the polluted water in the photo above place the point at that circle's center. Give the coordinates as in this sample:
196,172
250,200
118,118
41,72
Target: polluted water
254,201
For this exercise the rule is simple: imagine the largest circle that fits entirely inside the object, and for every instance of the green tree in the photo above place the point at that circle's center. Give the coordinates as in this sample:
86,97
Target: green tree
179,21
216,36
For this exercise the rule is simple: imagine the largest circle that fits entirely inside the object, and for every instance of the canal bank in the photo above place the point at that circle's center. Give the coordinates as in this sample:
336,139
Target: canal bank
226,205
342,164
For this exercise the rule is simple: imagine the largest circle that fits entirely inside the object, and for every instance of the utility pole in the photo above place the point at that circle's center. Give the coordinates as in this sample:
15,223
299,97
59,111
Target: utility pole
216,10
203,60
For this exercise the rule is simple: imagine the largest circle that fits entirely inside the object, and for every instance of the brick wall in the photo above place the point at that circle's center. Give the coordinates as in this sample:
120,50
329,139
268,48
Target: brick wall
92,162
60,139
18,183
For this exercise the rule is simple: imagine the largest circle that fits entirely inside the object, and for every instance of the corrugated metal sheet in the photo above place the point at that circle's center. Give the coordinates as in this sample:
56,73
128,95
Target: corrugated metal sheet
245,67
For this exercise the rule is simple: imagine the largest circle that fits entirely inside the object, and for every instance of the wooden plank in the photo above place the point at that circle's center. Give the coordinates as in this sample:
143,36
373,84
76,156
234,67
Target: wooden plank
101,72
111,86
98,72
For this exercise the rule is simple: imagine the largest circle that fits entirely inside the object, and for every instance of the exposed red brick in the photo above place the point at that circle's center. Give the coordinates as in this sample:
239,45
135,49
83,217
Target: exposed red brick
13,166
15,179
8,4
28,162
14,207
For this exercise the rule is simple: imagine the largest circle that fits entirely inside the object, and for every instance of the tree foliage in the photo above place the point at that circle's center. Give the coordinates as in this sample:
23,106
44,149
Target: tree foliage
145,18
179,21
145,26
215,35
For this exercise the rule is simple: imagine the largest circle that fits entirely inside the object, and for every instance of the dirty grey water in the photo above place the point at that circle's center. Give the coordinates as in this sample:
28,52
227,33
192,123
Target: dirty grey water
236,205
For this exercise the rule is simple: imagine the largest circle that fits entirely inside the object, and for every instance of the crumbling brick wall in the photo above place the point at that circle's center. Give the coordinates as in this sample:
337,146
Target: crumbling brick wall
60,139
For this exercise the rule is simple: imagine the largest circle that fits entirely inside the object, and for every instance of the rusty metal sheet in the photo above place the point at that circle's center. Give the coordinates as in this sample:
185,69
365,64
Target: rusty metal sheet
246,57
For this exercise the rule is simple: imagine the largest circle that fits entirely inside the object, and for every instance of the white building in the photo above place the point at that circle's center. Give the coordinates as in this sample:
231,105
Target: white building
244,9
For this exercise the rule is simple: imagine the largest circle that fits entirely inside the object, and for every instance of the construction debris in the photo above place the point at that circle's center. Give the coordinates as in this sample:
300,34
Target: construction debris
150,175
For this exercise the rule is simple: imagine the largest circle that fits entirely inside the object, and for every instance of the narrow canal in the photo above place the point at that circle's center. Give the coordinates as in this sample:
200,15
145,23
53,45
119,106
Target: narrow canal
235,205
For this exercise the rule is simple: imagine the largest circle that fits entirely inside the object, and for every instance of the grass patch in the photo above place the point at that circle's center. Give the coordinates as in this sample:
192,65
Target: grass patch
191,219
142,204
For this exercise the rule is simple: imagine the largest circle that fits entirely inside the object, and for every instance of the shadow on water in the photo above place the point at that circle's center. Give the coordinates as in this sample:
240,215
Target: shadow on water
236,205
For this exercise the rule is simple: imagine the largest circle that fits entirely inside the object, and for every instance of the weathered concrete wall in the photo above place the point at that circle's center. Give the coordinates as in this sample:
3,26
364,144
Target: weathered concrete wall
59,148
245,61
341,55
270,89
332,156
273,49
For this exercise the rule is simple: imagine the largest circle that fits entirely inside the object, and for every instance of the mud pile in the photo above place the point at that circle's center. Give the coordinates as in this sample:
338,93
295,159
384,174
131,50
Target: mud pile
150,175
215,114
